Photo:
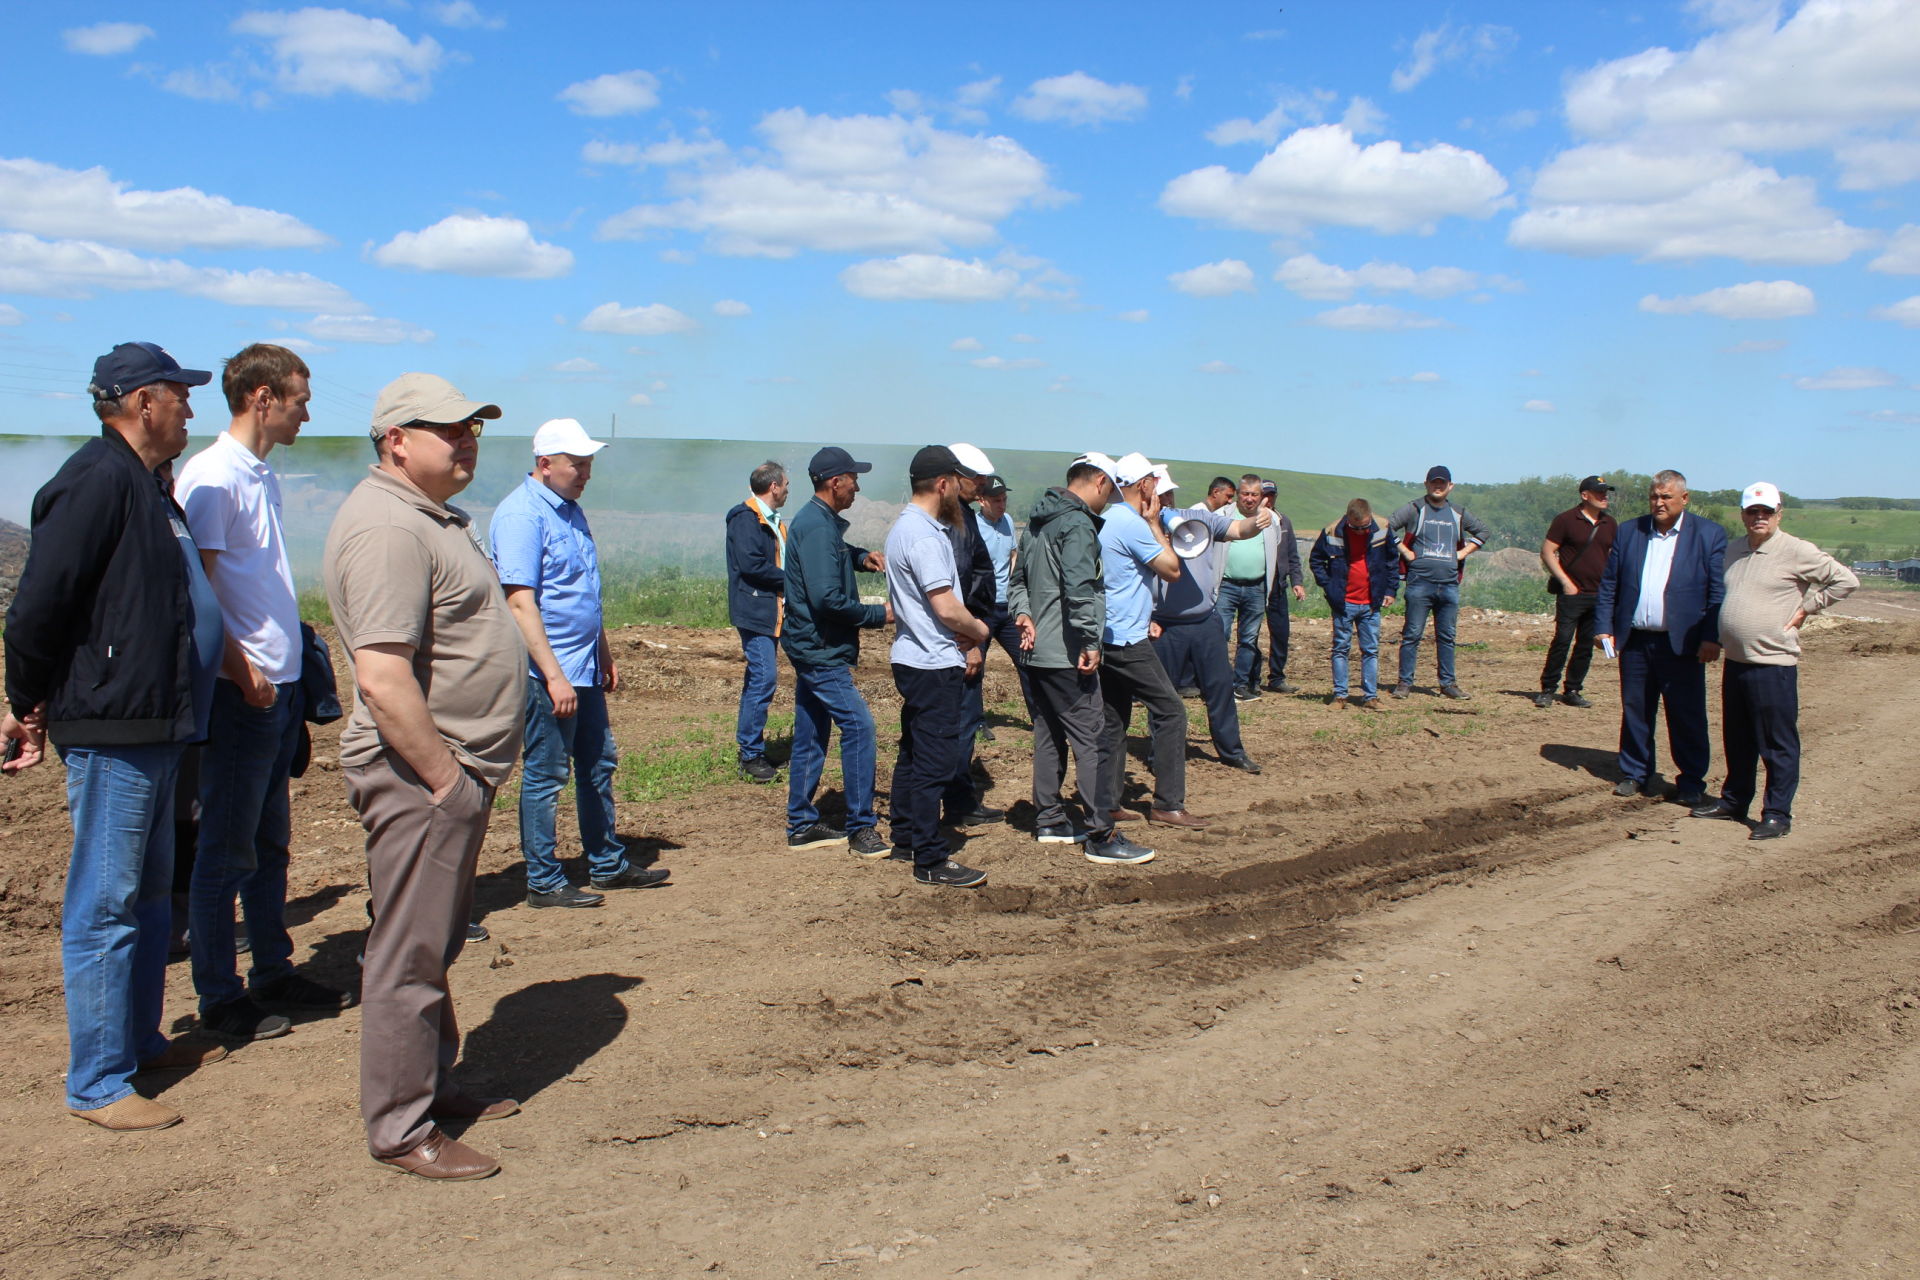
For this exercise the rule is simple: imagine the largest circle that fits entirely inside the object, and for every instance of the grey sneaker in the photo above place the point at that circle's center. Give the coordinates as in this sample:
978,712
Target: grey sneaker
567,895
867,843
243,1020
1402,690
1117,850
1543,700
1455,692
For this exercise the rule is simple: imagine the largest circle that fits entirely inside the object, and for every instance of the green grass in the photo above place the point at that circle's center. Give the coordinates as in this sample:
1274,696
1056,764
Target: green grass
1857,535
700,757
664,596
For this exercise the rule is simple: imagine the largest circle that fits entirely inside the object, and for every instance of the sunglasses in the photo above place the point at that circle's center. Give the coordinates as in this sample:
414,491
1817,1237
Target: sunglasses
448,431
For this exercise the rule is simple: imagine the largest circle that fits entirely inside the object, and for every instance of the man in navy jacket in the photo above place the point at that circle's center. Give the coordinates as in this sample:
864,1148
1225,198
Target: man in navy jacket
1658,609
756,582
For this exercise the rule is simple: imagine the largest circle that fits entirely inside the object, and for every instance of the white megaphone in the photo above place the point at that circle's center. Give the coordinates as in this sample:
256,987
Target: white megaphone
1190,538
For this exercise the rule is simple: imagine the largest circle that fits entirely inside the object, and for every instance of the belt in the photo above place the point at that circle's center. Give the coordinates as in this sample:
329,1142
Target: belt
1247,582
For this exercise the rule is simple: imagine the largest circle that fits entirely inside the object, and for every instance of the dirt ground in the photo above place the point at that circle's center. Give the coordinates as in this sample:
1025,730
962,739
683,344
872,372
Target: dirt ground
1427,1001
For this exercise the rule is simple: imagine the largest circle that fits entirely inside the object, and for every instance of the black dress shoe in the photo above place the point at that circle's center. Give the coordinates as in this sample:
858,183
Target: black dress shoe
982,816
1574,700
1243,762
1690,798
1627,787
1718,809
1770,829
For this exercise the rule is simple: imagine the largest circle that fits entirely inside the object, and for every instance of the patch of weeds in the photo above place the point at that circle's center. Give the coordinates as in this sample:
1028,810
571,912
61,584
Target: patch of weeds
703,756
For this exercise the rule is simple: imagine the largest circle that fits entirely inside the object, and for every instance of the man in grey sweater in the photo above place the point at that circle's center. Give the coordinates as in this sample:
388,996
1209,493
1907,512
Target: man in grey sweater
1435,539
1775,582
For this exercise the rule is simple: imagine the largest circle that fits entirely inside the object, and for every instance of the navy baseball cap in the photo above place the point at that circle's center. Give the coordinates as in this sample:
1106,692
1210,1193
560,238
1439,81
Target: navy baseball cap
934,461
834,461
1439,473
133,365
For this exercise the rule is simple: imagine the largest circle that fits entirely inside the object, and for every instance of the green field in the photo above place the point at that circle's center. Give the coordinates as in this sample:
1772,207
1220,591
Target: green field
1858,535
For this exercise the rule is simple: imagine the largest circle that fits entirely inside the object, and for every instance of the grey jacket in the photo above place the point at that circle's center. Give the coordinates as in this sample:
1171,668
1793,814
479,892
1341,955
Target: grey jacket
1056,580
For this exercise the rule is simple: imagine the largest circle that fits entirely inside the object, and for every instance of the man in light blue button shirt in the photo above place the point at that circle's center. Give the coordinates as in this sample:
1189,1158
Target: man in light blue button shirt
545,555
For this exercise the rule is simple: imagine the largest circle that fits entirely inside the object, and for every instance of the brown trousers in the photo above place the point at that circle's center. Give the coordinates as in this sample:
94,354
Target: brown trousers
421,859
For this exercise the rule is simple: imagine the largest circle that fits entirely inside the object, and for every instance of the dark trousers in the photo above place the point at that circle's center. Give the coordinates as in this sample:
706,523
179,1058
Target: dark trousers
933,737
1280,637
1001,629
1760,720
1572,646
1199,646
1133,671
1068,710
1652,674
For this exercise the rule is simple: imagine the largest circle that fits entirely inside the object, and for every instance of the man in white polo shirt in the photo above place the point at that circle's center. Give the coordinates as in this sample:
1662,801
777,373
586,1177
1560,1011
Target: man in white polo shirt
232,501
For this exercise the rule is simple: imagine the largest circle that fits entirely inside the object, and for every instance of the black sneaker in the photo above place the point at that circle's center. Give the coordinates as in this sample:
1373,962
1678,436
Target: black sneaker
951,875
1188,691
631,877
293,991
867,843
817,836
1402,690
758,770
1245,693
1061,833
1573,699
1242,762
1116,849
243,1020
476,932
567,895
1543,700
985,734
981,816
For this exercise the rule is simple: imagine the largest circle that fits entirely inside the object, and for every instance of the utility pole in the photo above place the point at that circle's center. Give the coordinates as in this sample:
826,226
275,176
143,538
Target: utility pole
613,426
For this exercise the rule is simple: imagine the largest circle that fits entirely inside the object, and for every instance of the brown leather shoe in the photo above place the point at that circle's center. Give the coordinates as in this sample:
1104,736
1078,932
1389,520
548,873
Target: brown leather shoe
443,1159
1123,815
131,1114
1178,818
1337,704
184,1054
1371,704
464,1106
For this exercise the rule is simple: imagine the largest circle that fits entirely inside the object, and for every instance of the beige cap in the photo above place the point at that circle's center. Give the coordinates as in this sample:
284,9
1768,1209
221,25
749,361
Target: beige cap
424,397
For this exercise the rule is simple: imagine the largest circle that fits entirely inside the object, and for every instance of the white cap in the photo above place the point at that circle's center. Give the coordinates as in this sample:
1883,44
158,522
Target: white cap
1166,484
1760,494
1101,461
564,435
972,459
1131,469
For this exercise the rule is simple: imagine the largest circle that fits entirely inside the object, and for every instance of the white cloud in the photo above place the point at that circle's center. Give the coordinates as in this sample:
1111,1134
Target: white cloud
1898,417
1371,316
105,39
1214,279
1220,366
966,344
620,93
368,329
1478,46
1539,406
1905,312
1023,337
1320,175
1291,109
640,398
1755,300
90,204
1752,346
469,244
207,84
1670,206
76,268
1140,316
928,277
1309,277
461,13
1833,66
1902,256
849,184
578,364
665,153
1875,163
1425,375
657,385
1848,378
731,307
656,317
1002,363
321,52
1078,98
678,257
11,315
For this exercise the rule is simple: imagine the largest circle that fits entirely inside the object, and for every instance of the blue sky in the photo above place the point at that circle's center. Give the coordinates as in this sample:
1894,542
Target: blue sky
1354,237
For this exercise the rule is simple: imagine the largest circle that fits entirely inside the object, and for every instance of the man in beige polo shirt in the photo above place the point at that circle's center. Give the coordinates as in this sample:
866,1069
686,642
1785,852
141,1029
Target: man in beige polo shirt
1775,582
439,671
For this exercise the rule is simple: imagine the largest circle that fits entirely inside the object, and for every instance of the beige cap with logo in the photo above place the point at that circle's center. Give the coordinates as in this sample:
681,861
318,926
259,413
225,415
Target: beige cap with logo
424,397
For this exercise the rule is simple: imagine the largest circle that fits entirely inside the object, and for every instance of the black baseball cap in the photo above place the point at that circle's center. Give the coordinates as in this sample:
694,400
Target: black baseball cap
996,487
1268,486
1439,473
934,461
834,461
133,365
1596,484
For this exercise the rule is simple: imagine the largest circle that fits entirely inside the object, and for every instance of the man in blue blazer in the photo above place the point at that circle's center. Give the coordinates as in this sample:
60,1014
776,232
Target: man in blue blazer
1659,610
756,581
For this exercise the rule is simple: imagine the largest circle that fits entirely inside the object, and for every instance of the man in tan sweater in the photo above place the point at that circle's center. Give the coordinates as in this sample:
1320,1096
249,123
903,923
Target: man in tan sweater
1775,582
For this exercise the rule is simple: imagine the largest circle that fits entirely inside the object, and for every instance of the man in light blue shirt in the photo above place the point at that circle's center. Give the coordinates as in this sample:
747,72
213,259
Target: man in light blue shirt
545,555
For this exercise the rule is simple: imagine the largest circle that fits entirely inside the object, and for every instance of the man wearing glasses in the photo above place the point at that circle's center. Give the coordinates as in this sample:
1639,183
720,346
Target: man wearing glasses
440,672
1775,582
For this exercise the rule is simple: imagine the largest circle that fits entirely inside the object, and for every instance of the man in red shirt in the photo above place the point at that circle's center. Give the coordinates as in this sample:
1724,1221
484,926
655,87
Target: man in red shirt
1358,567
1575,554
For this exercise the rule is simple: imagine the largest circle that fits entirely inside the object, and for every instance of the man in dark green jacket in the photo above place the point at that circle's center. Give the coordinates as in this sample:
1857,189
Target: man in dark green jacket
821,637
1059,600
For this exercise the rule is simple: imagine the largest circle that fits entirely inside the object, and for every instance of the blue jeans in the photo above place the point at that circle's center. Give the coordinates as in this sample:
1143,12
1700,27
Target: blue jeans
824,697
585,740
1241,608
756,693
113,925
1442,600
245,827
1365,620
